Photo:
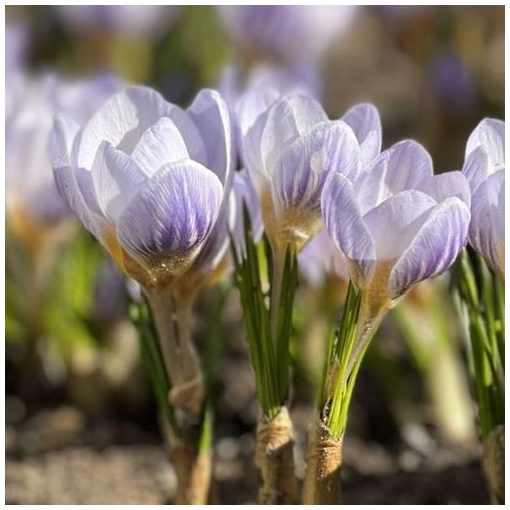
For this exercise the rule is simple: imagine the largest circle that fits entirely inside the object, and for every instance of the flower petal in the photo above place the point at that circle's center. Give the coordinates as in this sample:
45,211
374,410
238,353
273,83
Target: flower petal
173,212
117,179
211,116
450,184
61,142
344,222
487,228
303,167
394,223
476,167
121,121
489,134
287,119
365,122
434,248
71,183
252,104
68,188
401,167
161,144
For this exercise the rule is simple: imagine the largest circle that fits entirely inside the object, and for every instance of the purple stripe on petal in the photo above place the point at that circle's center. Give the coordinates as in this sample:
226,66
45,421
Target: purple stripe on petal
302,169
344,222
435,247
173,212
288,118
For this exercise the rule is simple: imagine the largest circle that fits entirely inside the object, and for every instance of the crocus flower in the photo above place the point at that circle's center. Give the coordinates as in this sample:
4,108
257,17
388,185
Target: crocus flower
484,167
31,190
288,150
396,222
288,32
151,181
147,179
147,20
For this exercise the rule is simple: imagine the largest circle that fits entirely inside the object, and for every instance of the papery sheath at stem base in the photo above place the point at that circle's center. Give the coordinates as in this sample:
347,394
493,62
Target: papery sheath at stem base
493,462
193,469
274,458
322,485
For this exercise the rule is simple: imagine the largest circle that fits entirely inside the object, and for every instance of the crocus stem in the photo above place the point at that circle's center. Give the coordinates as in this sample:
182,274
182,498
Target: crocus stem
191,456
275,460
359,322
172,318
322,485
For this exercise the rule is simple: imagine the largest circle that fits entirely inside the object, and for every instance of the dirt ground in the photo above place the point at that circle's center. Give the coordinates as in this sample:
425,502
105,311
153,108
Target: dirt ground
56,457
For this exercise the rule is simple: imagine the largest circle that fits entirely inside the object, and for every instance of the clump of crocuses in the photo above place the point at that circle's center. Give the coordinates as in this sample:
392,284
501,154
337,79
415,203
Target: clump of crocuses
156,185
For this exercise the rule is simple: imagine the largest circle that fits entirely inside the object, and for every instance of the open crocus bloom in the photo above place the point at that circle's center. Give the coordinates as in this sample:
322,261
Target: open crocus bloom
484,167
148,179
397,223
289,149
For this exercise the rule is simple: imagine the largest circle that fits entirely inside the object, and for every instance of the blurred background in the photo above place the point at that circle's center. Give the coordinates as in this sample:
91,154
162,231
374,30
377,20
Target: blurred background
81,422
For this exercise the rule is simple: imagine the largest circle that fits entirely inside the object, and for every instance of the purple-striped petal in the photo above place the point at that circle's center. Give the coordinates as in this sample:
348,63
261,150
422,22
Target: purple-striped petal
172,213
487,228
394,223
288,118
303,167
345,224
401,167
435,247
365,122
